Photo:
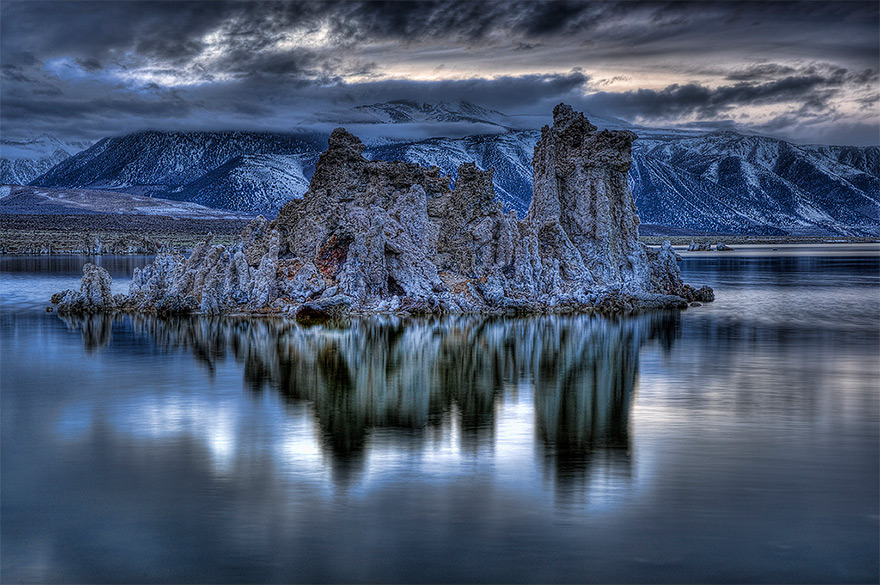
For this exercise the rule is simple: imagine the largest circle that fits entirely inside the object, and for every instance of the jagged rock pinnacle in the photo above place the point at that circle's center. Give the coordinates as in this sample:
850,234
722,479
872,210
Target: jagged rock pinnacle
377,236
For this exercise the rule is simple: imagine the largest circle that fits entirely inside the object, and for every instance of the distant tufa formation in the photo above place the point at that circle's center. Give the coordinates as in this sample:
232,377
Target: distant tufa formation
376,236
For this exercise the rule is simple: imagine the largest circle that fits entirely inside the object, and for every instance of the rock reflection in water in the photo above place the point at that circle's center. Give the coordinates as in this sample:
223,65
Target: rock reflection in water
414,374
97,330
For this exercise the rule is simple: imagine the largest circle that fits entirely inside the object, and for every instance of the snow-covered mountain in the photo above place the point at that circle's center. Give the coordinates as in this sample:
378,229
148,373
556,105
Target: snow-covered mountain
160,161
725,181
719,182
22,161
861,158
254,183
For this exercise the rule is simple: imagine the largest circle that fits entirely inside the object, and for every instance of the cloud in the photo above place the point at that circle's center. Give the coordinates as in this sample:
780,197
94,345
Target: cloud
505,92
677,101
258,64
820,130
760,72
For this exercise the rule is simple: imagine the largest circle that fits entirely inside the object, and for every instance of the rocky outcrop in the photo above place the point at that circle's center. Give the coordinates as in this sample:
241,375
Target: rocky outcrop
378,236
707,247
93,296
582,208
701,247
666,277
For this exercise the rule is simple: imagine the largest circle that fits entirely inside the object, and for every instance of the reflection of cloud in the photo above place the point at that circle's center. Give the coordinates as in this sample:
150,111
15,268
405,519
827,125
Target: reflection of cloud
75,420
171,416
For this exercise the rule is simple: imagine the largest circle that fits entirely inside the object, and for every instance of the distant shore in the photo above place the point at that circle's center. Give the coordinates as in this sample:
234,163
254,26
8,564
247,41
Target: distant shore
732,240
146,234
112,234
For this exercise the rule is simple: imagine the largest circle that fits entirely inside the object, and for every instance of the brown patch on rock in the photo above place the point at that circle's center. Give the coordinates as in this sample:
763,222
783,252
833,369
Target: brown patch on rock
416,306
332,254
288,268
455,283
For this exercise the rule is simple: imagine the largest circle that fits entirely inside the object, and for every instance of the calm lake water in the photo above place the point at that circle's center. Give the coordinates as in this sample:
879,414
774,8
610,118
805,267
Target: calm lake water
734,442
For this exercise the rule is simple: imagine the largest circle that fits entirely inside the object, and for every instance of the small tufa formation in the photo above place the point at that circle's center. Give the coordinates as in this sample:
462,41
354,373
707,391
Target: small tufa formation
666,277
93,296
701,247
707,247
378,236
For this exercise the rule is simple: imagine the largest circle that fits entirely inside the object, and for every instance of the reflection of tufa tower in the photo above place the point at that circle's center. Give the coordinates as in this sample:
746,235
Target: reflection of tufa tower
582,401
414,374
583,397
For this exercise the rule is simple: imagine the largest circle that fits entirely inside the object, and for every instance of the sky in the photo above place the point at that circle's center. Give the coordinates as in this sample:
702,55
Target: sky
802,71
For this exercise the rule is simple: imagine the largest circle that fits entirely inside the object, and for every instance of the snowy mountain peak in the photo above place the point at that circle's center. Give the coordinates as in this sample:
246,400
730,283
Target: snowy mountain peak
721,182
43,146
23,160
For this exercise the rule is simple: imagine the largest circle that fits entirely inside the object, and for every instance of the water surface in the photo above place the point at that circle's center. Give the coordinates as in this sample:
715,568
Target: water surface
737,441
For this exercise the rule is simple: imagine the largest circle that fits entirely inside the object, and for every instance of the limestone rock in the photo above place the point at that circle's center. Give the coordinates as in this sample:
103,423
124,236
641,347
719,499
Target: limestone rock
701,247
379,236
582,207
264,287
327,309
95,287
93,296
666,276
704,294
299,281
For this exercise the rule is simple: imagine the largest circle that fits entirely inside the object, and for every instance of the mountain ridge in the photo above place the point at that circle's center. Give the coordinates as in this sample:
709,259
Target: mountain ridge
719,181
21,161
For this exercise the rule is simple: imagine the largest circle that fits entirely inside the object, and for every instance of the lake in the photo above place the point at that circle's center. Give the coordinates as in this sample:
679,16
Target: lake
734,442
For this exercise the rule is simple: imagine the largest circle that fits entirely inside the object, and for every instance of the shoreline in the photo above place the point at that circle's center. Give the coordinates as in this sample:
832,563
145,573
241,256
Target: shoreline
746,240
783,249
111,234
89,234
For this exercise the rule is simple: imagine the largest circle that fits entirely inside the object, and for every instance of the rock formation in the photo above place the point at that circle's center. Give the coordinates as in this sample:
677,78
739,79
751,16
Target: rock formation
93,296
582,208
377,236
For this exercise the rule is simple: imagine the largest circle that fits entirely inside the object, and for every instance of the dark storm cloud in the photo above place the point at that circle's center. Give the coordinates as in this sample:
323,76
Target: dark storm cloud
83,110
683,100
465,20
93,30
266,103
818,130
259,64
499,92
762,71
175,31
13,73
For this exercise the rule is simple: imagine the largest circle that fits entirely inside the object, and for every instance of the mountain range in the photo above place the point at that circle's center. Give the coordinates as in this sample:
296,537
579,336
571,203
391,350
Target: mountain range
23,160
718,182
